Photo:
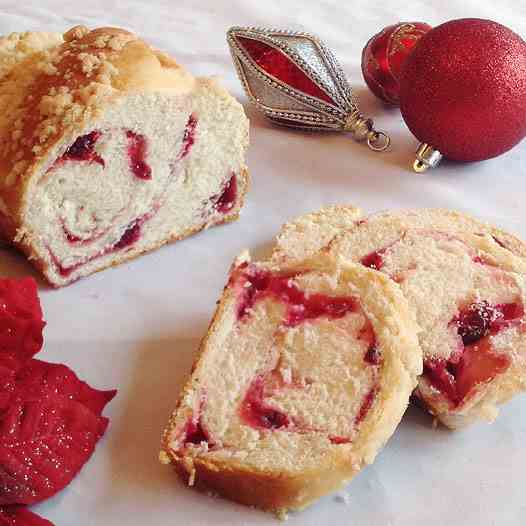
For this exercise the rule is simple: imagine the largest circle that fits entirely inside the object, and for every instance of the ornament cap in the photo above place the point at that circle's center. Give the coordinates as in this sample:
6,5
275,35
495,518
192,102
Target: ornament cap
362,129
426,157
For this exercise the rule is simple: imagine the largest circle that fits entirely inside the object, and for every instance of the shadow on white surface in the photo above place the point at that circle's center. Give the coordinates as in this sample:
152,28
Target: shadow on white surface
14,264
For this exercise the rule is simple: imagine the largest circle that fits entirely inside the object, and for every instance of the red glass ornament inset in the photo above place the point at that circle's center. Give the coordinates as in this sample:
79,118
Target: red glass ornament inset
384,54
277,64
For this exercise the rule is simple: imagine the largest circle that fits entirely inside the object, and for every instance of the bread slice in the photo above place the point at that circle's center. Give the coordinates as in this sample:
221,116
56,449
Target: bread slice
465,281
304,375
109,148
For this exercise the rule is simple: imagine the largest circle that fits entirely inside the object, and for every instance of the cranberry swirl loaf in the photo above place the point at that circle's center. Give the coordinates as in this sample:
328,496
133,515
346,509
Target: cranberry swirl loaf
465,281
305,373
109,148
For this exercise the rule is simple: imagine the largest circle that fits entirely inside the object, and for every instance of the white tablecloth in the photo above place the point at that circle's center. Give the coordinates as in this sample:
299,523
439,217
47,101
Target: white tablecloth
137,327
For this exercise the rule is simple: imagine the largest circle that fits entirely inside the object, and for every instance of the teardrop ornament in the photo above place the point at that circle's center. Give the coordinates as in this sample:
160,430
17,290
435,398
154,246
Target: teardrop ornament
295,80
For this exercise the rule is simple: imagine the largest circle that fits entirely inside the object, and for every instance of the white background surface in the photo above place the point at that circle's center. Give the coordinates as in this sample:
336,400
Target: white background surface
136,327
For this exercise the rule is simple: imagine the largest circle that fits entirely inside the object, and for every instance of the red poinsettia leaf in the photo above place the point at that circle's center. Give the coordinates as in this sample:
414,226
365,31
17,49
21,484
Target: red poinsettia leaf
49,425
21,322
21,516
43,445
38,378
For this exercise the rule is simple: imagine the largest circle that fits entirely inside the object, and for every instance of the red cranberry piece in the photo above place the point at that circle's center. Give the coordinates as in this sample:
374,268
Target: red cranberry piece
367,403
477,362
277,64
441,377
479,365
339,440
373,260
195,434
137,151
189,137
257,413
130,236
228,197
373,355
479,319
271,418
83,149
499,242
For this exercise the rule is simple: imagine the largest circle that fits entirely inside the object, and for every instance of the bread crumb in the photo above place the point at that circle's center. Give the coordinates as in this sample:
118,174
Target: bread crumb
164,458
75,33
343,497
282,515
89,62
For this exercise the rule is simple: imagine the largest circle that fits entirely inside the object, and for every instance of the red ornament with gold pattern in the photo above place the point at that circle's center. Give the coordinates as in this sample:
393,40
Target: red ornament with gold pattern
384,54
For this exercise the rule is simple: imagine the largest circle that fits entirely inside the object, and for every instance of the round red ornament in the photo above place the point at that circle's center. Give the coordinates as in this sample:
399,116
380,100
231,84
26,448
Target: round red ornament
383,55
463,91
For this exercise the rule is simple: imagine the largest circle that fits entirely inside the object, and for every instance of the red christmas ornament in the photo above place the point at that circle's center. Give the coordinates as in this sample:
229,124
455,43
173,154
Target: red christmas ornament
463,91
383,55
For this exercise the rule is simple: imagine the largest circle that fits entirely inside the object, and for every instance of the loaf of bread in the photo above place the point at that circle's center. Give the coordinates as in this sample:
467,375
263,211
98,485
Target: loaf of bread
109,148
304,375
466,282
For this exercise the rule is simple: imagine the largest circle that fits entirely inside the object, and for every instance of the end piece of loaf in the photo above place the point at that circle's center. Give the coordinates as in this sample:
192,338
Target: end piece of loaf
109,148
305,236
304,375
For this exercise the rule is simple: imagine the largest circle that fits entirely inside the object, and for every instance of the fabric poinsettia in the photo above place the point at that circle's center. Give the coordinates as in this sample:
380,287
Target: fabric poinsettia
21,322
50,420
20,516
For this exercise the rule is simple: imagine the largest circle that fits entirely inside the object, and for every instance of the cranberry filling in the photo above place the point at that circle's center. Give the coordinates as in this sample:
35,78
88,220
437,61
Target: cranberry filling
277,64
83,149
374,260
477,362
194,433
257,413
131,235
373,355
479,319
367,403
340,440
300,306
499,242
228,197
189,137
137,151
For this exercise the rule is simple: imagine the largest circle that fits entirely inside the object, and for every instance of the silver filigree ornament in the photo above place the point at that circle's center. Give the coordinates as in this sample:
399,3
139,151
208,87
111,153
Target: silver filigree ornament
295,80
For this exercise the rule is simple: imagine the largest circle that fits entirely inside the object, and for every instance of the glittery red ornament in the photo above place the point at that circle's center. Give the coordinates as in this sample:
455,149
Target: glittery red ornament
383,55
463,90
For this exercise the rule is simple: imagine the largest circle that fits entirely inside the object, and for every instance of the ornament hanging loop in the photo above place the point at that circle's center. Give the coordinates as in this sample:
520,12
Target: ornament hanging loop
362,130
426,157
